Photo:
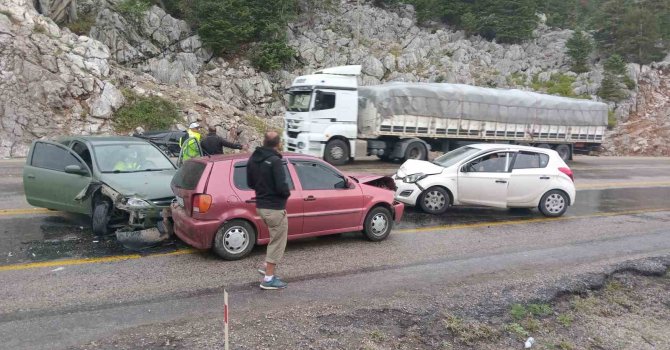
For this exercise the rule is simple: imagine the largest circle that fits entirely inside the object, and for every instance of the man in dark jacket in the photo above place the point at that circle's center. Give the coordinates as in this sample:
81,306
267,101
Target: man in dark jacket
213,144
265,174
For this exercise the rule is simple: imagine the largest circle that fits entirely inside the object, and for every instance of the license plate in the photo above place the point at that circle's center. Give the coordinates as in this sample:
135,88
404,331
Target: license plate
180,201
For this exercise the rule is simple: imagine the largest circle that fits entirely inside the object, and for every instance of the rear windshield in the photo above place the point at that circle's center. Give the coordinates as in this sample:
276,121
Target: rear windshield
188,176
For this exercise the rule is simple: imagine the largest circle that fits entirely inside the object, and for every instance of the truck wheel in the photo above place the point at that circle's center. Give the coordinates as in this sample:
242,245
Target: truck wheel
564,152
234,240
543,145
415,150
337,152
100,218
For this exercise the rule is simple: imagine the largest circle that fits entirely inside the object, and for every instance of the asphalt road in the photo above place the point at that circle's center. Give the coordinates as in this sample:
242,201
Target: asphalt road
62,287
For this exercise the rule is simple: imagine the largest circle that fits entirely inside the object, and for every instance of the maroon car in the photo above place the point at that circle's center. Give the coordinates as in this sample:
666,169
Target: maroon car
215,208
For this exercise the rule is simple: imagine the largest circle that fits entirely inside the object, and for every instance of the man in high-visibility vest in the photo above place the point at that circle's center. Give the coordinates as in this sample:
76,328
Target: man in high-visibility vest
191,146
129,162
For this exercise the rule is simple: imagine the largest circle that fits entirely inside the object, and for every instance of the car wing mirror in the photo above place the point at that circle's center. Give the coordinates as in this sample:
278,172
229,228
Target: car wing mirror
464,169
75,169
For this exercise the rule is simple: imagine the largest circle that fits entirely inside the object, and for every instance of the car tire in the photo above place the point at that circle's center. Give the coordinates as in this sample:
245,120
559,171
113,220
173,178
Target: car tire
378,224
554,203
415,150
100,218
337,152
435,200
564,152
234,240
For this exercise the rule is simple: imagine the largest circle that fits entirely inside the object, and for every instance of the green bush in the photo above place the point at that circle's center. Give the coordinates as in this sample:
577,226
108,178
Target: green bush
611,120
579,49
133,9
149,112
83,24
558,84
272,56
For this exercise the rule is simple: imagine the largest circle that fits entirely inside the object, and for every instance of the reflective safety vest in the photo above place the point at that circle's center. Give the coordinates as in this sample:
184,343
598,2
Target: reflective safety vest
190,148
123,166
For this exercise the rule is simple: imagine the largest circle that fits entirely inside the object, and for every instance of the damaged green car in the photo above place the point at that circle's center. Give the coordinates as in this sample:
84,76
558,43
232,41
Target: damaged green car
120,182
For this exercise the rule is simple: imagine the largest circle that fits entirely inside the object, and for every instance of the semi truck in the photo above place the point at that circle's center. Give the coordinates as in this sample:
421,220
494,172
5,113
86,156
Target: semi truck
330,116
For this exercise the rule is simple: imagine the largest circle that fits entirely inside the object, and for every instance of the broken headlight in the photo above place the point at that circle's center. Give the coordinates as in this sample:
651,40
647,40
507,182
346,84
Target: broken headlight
137,203
410,179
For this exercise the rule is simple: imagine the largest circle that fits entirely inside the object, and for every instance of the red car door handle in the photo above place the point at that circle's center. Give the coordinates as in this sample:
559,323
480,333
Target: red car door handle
310,198
252,200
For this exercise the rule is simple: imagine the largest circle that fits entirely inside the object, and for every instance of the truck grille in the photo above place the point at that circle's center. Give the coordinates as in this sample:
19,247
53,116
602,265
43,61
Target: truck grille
293,134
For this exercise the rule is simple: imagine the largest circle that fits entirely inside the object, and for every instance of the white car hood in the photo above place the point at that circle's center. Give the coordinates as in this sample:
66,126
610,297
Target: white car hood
413,166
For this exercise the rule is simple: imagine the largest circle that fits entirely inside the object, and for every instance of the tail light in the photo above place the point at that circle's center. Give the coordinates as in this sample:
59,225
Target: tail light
567,171
201,203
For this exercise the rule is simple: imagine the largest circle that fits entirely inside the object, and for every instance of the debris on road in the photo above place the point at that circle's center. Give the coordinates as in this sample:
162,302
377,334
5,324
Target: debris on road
140,238
529,343
58,269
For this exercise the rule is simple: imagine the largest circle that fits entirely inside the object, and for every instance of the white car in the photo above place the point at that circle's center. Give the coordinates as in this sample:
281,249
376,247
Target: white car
493,175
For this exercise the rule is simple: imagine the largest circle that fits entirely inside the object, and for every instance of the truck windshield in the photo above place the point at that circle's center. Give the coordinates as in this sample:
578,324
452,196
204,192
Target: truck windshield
448,159
298,101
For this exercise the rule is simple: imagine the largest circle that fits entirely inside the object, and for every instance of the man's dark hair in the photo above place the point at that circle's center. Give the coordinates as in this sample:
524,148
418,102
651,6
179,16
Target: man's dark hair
212,128
271,139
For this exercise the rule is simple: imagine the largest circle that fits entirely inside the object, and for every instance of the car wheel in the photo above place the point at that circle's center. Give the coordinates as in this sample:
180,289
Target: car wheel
337,152
434,200
235,240
415,150
563,151
554,203
100,218
378,224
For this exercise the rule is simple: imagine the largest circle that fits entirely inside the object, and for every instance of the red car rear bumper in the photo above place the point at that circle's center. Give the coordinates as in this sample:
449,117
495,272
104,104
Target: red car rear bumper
196,233
398,210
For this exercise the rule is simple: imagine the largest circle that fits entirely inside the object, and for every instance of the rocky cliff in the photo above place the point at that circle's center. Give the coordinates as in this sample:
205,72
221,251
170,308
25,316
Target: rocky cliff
55,82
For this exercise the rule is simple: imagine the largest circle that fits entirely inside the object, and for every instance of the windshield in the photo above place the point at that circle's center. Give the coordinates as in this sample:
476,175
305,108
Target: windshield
298,101
131,157
448,159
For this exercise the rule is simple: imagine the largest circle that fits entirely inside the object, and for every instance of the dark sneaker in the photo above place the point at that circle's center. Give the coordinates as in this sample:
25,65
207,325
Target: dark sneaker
275,283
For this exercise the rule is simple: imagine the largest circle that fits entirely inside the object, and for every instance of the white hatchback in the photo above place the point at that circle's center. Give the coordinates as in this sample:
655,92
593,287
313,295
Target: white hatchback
493,175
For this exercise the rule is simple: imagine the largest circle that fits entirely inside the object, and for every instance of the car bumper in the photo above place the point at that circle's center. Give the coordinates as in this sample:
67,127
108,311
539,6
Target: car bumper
407,193
398,210
196,233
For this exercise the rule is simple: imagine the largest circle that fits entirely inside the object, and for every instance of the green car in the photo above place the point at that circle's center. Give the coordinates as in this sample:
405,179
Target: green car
120,182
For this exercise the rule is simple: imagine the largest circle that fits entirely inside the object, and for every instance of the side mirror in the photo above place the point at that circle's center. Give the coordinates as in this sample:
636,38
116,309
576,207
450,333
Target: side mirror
75,169
464,169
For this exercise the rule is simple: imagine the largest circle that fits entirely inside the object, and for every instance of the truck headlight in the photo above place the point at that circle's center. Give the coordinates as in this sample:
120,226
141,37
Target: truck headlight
137,203
414,178
301,145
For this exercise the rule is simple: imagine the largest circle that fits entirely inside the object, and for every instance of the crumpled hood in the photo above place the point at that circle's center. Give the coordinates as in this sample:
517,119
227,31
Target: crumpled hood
381,181
146,184
413,166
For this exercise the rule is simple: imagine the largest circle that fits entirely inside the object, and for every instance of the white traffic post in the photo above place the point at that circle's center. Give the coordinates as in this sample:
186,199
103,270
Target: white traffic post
225,320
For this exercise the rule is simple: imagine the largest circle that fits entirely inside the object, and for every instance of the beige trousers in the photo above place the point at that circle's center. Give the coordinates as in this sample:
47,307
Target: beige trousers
278,225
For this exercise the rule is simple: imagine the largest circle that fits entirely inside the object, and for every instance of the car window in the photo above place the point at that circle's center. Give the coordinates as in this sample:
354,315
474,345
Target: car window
315,176
530,160
188,176
48,156
240,176
324,100
448,159
130,157
491,163
82,151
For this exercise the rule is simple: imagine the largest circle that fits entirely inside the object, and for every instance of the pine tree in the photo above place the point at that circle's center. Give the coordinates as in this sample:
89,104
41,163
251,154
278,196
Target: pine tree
613,87
639,36
579,48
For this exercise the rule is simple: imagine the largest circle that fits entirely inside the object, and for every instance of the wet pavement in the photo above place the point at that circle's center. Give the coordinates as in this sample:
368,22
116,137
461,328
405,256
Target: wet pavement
50,236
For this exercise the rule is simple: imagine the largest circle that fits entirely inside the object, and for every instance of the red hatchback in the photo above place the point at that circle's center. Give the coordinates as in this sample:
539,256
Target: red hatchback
214,207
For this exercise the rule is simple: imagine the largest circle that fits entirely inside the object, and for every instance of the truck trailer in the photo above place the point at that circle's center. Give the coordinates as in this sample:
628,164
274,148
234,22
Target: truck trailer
330,116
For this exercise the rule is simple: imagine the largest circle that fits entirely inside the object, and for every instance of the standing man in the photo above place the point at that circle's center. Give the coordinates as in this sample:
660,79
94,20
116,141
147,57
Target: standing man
265,174
213,144
190,148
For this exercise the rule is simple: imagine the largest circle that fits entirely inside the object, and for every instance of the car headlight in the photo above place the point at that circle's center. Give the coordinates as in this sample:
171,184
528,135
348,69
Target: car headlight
414,178
137,203
301,145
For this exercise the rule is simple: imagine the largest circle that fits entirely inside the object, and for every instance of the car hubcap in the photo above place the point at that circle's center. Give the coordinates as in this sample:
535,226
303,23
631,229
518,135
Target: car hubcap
554,203
434,200
337,152
235,239
379,224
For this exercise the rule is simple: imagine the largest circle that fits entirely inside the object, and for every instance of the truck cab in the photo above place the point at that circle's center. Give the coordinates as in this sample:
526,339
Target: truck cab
323,109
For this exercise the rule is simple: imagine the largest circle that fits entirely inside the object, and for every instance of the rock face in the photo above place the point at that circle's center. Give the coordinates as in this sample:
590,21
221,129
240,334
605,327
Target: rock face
50,80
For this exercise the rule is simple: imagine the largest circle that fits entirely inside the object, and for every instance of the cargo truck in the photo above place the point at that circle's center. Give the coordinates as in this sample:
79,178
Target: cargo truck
328,115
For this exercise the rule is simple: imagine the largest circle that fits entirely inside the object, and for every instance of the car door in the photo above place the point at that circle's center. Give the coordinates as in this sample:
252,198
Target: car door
247,196
331,203
48,185
484,180
529,178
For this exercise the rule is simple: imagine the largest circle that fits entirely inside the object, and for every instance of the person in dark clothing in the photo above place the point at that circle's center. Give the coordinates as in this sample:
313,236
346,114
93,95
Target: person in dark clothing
265,175
213,144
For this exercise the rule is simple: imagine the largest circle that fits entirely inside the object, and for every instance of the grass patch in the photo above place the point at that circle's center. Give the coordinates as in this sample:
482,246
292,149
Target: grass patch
470,333
611,120
518,312
133,9
517,330
565,320
83,24
377,336
558,84
258,123
39,28
564,345
540,309
516,79
149,112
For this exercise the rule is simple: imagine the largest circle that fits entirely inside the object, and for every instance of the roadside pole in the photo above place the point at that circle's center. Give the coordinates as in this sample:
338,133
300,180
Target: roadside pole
225,320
